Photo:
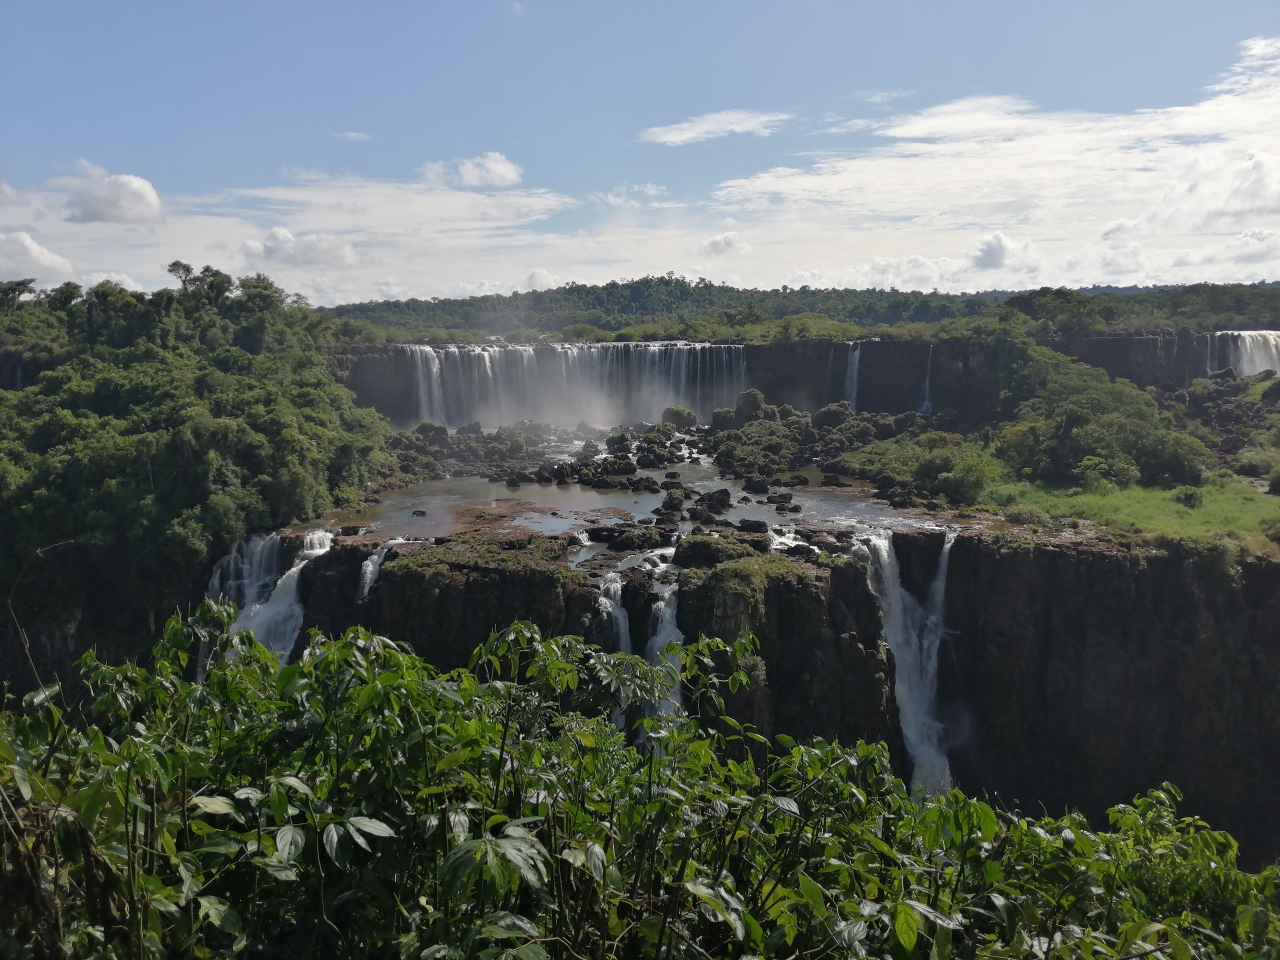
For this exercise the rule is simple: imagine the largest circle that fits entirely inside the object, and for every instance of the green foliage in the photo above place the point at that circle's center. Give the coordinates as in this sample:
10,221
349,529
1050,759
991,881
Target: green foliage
174,423
680,417
358,803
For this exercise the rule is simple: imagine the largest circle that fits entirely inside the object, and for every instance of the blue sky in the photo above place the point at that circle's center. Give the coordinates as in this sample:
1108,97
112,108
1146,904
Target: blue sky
398,149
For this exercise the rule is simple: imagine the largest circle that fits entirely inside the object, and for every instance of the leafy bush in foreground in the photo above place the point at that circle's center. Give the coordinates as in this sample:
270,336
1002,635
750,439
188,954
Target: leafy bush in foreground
359,804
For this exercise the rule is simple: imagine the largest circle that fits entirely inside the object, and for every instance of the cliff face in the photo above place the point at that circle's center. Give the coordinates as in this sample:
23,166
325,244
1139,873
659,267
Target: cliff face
1166,360
443,601
828,673
1078,675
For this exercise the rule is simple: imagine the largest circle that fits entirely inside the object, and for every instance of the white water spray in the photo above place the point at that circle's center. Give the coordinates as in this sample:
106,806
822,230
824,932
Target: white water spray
851,377
1248,351
611,606
371,567
565,383
276,621
914,633
665,632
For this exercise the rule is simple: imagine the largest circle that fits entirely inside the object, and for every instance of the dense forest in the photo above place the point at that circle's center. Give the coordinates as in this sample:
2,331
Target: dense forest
667,306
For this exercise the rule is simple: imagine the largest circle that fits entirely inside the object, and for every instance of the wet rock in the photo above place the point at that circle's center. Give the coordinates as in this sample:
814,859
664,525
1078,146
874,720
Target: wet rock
673,475
756,485
419,513
779,498
753,526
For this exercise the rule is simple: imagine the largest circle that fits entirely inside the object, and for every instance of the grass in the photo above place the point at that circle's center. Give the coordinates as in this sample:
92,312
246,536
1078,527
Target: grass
1230,509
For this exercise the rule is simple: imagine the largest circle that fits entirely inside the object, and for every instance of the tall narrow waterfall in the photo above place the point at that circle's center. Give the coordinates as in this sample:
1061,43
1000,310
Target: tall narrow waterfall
612,608
851,377
604,383
665,632
277,620
370,568
926,405
1248,351
914,633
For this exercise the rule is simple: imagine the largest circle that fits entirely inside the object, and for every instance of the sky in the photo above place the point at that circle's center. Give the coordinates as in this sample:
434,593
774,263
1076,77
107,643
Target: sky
400,149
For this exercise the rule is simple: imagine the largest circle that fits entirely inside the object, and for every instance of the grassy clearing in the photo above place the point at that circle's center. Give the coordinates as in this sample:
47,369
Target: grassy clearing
1232,509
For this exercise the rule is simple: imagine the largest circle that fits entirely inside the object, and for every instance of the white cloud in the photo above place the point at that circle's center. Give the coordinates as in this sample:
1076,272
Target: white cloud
881,96
121,279
540,279
722,243
353,136
22,257
308,250
99,197
977,193
490,169
709,126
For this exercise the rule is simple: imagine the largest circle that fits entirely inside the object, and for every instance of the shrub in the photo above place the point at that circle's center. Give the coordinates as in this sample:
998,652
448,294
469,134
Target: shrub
1026,515
1190,497
680,417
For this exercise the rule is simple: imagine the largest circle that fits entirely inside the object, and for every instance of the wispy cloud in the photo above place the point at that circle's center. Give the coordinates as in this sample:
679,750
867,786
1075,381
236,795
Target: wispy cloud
881,96
353,136
709,126
490,169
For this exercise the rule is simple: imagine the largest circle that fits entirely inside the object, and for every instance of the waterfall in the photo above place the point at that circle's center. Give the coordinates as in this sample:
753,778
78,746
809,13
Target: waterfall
913,633
851,376
1248,351
371,566
276,620
665,631
606,383
611,607
249,572
926,406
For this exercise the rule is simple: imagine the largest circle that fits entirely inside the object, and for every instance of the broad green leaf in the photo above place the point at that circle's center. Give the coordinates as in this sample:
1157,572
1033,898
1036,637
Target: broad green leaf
813,895
905,925
370,826
215,805
221,914
451,760
289,843
336,845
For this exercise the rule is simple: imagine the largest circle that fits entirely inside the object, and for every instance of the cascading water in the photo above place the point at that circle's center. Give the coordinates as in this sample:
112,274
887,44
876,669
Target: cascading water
247,574
612,608
276,621
914,633
926,405
370,568
1248,351
851,377
665,632
565,383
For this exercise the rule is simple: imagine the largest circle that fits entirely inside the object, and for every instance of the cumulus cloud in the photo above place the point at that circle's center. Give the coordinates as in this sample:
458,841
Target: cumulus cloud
353,136
21,257
307,250
120,279
540,279
722,243
100,197
709,126
490,169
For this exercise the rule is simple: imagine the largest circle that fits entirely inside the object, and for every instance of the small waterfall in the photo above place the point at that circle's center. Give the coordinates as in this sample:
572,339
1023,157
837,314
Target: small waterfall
611,607
926,405
665,632
851,376
249,572
606,383
276,621
371,566
914,633
1248,351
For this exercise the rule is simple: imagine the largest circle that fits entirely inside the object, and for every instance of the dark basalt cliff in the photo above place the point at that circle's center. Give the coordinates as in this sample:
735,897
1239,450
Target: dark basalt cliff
1078,675
828,672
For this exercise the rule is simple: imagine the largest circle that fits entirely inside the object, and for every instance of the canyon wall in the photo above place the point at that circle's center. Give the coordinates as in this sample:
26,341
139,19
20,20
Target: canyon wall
1079,674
